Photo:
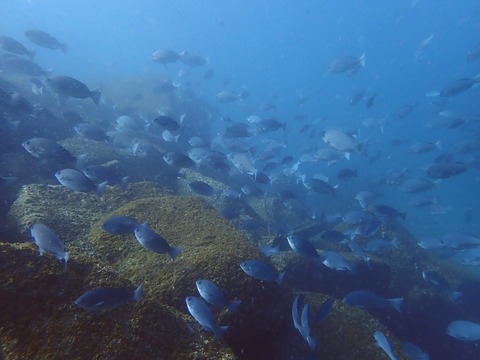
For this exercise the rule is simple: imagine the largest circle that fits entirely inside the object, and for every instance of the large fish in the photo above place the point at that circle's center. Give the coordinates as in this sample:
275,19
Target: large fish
45,40
70,87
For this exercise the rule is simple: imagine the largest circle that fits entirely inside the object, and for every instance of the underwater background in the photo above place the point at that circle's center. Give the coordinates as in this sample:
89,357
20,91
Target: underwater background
166,142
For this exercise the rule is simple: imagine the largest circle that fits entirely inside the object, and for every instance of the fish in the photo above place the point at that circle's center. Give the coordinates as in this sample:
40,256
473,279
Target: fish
201,188
368,299
468,257
168,136
269,125
229,96
198,142
446,169
45,40
413,352
403,111
90,131
424,147
334,260
268,250
358,217
303,247
11,45
456,87
70,87
439,283
460,240
48,150
178,160
47,241
367,197
464,330
108,298
101,173
192,60
319,185
416,185
203,315
357,97
382,342
77,181
165,56
371,101
387,212
212,294
261,271
252,190
341,141
378,246
7,180
422,46
332,235
237,130
127,123
346,174
348,64
120,225
243,162
16,64
166,122
301,322
152,241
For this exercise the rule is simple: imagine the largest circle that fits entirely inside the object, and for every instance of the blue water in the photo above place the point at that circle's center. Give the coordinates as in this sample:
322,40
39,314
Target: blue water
280,51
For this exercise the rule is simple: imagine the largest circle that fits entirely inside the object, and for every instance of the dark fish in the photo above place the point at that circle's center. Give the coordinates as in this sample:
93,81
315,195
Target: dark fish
90,131
46,149
165,56
319,186
358,217
108,298
47,241
371,101
252,190
440,284
286,160
167,122
212,294
368,299
424,147
237,130
268,125
14,103
261,178
261,271
303,247
152,241
357,97
324,310
75,180
45,40
332,235
229,97
178,160
445,170
120,225
348,64
268,250
68,86
346,174
388,212
201,188
202,314
101,173
402,112
416,185
7,180
458,86
11,45
16,64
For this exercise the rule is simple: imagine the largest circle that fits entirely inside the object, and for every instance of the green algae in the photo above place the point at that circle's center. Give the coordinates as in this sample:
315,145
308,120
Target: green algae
40,321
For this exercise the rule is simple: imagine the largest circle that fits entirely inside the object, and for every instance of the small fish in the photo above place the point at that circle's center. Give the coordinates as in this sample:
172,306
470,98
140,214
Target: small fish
357,97
46,149
70,87
165,56
152,241
303,247
101,173
178,160
424,147
358,217
75,180
335,261
371,101
108,298
229,97
192,60
90,131
47,241
367,299
45,40
439,283
348,64
166,122
202,314
120,225
378,246
268,250
11,45
7,180
346,174
16,64
382,342
168,136
445,169
212,294
416,185
468,257
301,322
464,330
413,352
261,271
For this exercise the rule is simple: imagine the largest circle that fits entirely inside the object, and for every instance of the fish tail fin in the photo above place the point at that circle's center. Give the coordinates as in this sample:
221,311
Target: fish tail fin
234,305
64,47
279,279
101,188
362,59
174,252
137,295
95,95
65,257
219,330
396,303
312,342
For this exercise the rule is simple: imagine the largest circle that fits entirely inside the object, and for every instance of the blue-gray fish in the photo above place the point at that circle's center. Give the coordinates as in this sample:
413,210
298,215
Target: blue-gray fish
120,225
413,352
46,149
368,299
215,296
383,343
152,241
75,180
261,271
68,86
464,330
45,40
47,241
90,131
303,247
336,261
108,298
202,314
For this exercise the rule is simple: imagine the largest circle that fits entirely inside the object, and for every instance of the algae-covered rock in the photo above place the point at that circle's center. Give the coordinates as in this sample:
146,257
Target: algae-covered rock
40,320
